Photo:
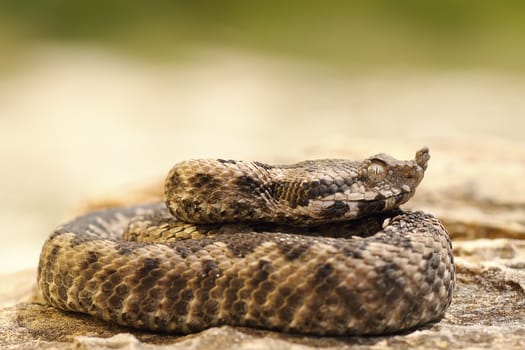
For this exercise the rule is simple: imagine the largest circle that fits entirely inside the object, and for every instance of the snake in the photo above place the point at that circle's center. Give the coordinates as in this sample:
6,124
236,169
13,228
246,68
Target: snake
319,248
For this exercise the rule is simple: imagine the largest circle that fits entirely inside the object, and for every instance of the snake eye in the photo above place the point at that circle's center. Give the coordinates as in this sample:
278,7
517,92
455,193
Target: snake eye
376,169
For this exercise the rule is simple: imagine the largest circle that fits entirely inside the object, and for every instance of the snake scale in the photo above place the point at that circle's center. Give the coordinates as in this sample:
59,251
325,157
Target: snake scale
319,247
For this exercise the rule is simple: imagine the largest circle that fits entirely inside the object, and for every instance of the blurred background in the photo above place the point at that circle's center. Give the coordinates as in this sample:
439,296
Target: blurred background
100,96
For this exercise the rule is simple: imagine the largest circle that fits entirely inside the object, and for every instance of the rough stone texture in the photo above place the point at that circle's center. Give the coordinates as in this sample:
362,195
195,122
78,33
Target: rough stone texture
479,193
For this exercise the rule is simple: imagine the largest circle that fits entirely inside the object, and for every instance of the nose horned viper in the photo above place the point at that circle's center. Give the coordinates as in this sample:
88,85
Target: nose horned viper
318,247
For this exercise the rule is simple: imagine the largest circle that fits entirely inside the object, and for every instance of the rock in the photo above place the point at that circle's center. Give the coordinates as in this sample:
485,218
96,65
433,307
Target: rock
478,192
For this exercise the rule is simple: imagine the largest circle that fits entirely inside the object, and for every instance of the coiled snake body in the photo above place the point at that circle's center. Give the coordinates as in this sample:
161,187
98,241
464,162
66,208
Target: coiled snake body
318,247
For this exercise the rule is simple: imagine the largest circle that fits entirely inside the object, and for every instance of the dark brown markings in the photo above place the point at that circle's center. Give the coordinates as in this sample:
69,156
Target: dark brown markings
263,165
53,256
241,244
389,271
287,310
147,293
155,294
115,278
242,292
230,292
62,290
160,323
238,310
193,326
150,264
227,161
134,311
201,179
189,205
265,267
371,207
437,285
210,267
210,309
323,271
358,253
441,271
144,281
122,289
85,299
184,252
189,247
431,272
324,285
207,281
126,249
248,184
186,295
115,302
176,284
108,285
300,193
294,193
390,284
110,294
184,298
434,261
353,249
58,232
350,300
293,249
242,210
379,196
402,241
339,208
92,258
78,239
174,179
262,292
313,189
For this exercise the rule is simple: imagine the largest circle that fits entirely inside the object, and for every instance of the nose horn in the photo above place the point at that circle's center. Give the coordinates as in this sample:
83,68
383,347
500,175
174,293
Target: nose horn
422,157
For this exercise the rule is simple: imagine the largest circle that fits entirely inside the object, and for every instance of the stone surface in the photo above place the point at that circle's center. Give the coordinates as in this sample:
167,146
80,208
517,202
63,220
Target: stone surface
478,192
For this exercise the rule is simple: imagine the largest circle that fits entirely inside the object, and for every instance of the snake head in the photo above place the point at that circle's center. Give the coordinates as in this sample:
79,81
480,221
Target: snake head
390,181
347,189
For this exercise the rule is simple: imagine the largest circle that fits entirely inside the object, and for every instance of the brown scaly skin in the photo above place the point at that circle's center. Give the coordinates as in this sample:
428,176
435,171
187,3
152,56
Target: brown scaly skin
317,279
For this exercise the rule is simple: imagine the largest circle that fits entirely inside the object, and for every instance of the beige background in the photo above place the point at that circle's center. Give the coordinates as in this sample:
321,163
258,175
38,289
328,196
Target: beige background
79,123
